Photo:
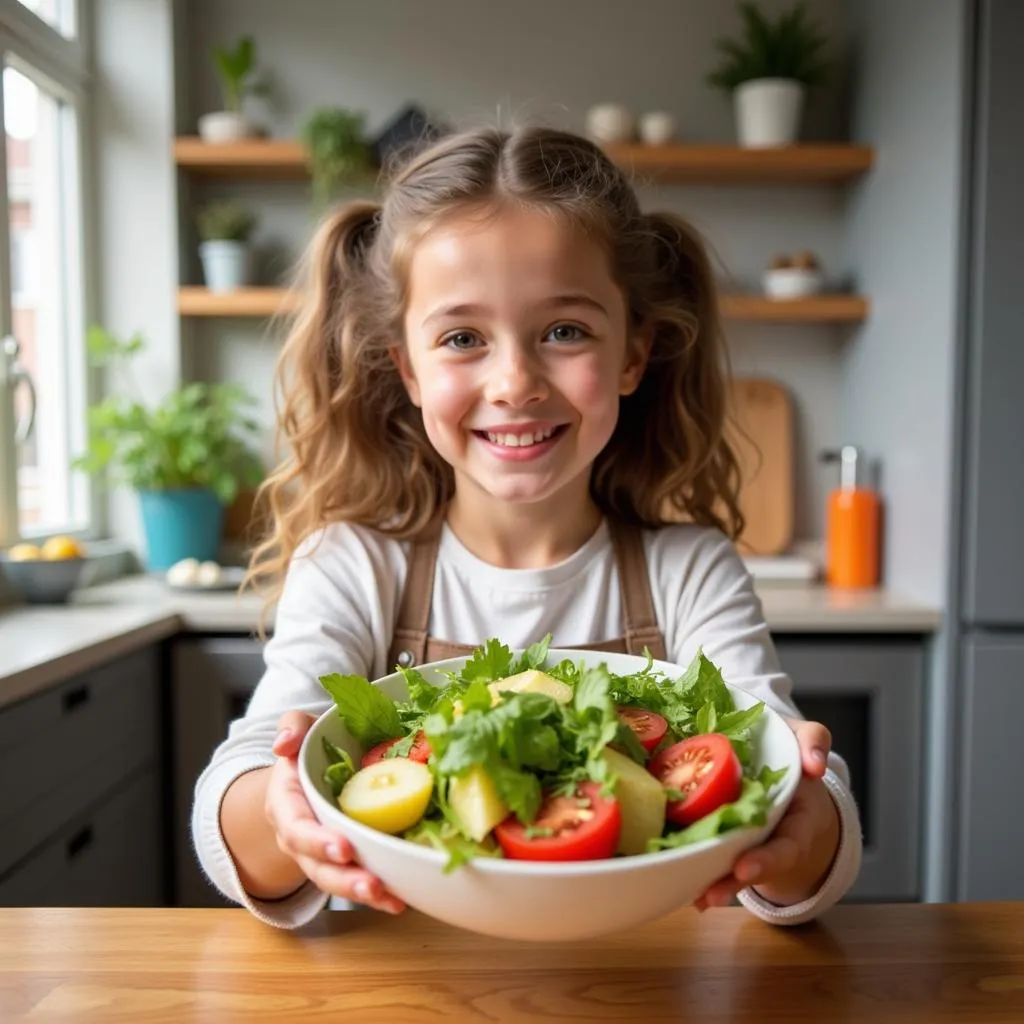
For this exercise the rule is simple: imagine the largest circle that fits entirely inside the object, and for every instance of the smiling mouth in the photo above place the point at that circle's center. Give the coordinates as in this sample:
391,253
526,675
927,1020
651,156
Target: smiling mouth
526,439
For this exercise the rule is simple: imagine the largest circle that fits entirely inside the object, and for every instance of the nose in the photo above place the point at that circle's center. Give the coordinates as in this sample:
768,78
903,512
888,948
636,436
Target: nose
516,377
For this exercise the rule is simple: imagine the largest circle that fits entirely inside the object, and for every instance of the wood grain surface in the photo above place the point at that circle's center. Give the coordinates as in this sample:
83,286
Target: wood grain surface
881,964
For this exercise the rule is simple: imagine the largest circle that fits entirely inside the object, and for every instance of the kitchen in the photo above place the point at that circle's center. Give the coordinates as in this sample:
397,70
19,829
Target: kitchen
917,677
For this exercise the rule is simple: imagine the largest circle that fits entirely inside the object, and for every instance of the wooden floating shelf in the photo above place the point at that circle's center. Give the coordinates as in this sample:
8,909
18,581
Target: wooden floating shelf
675,163
266,302
849,309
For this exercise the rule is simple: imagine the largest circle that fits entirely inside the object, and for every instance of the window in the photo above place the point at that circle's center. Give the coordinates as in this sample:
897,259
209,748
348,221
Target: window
42,287
58,14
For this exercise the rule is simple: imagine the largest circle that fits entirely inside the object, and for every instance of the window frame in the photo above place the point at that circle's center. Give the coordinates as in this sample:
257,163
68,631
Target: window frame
60,65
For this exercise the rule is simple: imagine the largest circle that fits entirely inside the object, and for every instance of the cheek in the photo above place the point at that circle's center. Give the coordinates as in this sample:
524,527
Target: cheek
447,395
594,390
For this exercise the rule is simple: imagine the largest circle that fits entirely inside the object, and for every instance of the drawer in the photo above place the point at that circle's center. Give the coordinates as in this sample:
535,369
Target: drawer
61,749
111,856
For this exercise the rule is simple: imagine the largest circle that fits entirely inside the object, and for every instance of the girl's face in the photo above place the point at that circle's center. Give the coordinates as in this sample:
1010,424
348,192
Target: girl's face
517,352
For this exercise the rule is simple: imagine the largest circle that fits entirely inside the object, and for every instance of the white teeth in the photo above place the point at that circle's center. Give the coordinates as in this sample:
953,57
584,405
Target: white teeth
519,440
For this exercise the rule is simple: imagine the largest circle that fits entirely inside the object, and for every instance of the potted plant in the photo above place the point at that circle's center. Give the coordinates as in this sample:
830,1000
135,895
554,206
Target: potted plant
236,71
186,457
768,72
225,227
338,152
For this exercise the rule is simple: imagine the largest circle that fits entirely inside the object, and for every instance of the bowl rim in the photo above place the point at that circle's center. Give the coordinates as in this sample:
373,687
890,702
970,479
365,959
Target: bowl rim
504,865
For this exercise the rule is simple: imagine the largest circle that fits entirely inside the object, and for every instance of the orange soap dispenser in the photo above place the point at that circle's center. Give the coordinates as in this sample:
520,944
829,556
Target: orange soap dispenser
853,524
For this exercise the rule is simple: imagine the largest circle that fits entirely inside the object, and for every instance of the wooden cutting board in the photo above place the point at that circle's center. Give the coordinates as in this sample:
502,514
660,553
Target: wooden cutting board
763,439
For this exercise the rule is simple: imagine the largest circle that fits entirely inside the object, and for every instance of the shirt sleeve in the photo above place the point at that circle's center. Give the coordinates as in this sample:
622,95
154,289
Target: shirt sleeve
326,621
708,601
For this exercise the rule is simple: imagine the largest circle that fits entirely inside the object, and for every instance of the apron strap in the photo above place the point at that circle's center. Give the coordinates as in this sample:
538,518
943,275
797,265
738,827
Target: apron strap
409,642
638,619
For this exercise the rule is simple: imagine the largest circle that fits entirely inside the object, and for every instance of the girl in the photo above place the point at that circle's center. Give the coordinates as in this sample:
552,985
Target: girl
506,384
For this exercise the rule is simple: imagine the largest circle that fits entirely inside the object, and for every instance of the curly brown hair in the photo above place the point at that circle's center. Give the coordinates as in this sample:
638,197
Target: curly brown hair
356,447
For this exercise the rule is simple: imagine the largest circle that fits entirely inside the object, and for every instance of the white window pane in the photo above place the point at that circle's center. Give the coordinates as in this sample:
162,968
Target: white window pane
58,14
46,293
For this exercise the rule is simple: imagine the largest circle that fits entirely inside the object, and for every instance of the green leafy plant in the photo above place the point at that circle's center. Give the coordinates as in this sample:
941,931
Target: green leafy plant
225,220
338,153
789,47
235,68
199,435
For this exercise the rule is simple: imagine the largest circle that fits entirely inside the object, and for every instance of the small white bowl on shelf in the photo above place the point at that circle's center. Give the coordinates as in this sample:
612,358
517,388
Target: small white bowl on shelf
792,282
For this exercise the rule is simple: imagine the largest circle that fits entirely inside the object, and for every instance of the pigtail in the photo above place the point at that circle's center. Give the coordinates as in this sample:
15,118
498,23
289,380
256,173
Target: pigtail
670,458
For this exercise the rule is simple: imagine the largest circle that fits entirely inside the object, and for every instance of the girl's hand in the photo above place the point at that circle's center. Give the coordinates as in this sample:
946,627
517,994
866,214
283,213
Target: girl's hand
793,864
325,857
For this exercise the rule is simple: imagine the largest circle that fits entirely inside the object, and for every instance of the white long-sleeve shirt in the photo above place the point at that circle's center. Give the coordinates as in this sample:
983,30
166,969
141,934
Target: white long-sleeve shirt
337,613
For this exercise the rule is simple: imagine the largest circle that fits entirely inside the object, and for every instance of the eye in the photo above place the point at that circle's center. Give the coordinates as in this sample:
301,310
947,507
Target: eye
460,341
566,332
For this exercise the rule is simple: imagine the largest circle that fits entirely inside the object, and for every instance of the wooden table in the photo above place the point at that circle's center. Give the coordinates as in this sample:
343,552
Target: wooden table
878,964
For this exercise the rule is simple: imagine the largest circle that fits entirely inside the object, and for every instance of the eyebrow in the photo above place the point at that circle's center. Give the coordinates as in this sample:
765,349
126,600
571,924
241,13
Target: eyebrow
474,309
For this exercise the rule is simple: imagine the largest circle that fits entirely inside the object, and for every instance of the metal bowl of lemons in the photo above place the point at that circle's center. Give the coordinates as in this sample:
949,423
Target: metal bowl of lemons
46,573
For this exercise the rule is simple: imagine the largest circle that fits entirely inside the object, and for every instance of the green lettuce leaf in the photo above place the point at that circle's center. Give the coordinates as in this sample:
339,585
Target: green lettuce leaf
442,835
339,767
368,714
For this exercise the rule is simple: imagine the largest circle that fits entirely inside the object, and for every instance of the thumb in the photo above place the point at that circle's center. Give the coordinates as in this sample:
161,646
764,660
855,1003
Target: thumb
815,743
291,729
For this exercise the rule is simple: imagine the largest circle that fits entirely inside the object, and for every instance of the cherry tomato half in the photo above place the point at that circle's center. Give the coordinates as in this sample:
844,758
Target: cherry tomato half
420,750
648,726
581,827
705,769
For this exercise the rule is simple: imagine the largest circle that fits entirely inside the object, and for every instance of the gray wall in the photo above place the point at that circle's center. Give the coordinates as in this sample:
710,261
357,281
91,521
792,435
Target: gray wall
536,59
134,209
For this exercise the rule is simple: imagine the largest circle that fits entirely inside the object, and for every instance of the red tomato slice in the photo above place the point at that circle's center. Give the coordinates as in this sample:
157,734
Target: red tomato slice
583,827
705,768
420,750
648,726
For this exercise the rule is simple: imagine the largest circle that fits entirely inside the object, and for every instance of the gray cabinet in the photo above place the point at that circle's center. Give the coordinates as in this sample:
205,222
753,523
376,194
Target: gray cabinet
994,484
212,679
991,829
868,691
81,809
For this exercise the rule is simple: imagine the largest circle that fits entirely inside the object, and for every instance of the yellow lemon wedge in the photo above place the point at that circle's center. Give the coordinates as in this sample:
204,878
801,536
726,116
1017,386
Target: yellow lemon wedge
57,549
389,795
24,553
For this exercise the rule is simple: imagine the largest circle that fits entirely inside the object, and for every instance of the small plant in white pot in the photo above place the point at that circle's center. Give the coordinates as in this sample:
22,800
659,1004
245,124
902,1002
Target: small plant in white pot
225,227
768,72
236,71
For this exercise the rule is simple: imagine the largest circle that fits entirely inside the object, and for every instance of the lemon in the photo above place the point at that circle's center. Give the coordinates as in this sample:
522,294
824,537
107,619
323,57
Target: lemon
57,549
389,795
24,553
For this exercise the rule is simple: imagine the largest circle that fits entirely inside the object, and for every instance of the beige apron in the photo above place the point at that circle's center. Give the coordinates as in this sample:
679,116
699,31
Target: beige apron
412,646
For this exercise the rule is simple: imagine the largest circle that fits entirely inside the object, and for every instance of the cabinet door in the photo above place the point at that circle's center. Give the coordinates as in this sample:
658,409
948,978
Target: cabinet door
212,679
994,485
69,745
110,856
868,692
992,758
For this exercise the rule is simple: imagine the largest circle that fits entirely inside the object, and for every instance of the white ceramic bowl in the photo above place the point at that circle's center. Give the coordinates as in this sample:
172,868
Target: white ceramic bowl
791,283
536,901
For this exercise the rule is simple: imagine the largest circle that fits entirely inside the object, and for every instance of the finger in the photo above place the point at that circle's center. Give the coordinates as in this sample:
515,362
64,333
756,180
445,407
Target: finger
783,851
350,883
815,743
299,832
719,894
291,729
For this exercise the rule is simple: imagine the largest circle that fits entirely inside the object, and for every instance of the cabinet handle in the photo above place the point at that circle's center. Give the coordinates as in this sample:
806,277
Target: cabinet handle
73,698
79,841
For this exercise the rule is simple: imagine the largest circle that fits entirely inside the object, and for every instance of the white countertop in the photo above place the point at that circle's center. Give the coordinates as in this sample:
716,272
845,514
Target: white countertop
41,646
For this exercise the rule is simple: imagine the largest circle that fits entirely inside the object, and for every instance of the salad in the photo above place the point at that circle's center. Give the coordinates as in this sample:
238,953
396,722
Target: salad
513,757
